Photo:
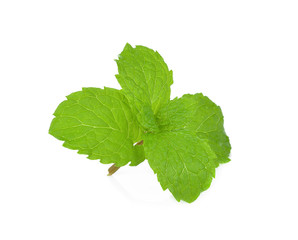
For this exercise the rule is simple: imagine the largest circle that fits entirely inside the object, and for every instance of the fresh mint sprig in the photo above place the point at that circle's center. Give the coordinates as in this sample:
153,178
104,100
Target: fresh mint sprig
183,139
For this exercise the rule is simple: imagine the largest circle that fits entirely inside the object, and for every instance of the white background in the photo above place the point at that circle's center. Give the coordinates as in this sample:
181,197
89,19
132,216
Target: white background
242,54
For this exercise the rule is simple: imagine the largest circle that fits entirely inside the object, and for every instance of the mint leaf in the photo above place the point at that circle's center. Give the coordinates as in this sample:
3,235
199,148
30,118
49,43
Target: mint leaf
183,163
99,123
183,139
197,113
145,80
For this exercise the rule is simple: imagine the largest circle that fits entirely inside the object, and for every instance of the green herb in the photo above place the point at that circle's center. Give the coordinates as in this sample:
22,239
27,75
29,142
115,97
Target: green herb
183,139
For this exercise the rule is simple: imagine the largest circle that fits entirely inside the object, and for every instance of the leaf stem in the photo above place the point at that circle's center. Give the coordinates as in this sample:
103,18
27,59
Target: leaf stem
114,168
140,142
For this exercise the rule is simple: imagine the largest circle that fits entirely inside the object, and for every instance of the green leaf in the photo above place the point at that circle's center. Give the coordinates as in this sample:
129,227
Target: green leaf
99,123
184,163
199,114
145,80
183,139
